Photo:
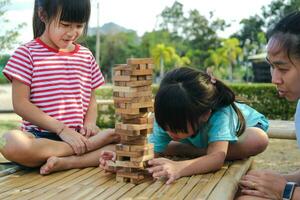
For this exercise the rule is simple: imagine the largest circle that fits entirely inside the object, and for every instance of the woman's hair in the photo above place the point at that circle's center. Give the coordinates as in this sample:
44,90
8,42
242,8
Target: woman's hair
185,94
66,10
286,33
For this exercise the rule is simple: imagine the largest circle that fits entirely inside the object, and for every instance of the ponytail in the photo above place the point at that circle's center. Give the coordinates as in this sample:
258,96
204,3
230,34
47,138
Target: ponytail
227,97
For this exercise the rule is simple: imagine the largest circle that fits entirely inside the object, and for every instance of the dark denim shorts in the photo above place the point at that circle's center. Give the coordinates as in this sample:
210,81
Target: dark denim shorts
259,125
46,135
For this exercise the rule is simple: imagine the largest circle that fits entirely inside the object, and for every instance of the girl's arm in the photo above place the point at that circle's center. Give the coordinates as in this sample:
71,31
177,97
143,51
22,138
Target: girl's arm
30,112
90,128
214,160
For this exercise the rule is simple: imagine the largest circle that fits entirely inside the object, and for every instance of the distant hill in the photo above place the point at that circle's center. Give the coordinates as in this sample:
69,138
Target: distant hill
108,28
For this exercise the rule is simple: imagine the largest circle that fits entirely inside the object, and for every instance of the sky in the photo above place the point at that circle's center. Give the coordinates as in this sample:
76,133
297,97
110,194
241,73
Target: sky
141,15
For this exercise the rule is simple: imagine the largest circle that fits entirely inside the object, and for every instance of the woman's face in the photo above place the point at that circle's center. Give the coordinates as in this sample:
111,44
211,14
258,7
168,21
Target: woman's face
285,72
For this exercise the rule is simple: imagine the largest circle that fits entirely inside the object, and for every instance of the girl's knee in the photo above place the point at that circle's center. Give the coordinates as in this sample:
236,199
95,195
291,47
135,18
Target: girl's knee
258,140
16,145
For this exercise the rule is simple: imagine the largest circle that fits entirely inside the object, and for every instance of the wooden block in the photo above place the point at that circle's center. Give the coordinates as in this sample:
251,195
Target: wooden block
132,99
119,67
126,116
122,147
140,120
129,105
133,180
128,132
132,158
135,142
143,132
142,72
138,147
142,158
129,164
129,138
134,61
132,89
122,78
132,94
133,175
133,111
133,83
132,126
134,154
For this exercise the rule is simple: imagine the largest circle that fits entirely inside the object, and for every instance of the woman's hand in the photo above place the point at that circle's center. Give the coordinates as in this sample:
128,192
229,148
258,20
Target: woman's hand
266,184
89,129
78,142
107,157
162,167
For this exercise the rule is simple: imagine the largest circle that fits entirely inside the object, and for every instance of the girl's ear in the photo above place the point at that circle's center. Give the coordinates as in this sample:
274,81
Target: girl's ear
206,116
42,15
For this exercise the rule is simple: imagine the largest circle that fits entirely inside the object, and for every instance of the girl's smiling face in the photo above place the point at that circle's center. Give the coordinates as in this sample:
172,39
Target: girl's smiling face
285,70
62,35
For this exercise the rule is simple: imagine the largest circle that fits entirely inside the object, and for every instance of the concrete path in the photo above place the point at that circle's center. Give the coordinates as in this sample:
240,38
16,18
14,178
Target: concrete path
5,99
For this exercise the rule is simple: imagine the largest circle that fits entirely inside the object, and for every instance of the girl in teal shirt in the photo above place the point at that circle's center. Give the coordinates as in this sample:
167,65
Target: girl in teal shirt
197,115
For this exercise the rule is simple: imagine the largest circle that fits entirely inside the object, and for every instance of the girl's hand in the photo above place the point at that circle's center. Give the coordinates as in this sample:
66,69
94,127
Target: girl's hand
77,141
266,184
105,158
162,167
89,129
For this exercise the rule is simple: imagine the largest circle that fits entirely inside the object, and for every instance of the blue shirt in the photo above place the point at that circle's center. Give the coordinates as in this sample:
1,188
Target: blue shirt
221,126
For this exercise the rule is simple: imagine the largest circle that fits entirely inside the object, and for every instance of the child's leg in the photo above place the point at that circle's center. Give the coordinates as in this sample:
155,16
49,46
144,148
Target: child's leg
252,142
103,138
90,159
25,149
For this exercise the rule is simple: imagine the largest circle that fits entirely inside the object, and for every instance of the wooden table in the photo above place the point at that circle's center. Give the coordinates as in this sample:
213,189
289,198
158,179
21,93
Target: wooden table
94,183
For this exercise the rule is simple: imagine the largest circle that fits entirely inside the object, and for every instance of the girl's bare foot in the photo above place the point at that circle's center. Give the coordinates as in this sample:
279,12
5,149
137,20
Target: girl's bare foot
53,164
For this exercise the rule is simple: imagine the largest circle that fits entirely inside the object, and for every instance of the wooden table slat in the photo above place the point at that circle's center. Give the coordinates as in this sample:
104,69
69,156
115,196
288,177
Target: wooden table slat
227,187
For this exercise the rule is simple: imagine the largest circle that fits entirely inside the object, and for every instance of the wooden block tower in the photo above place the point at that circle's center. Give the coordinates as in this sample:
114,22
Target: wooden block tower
132,95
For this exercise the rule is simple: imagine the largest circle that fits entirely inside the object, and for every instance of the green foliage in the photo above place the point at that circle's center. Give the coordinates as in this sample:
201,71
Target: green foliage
3,61
262,97
9,37
106,117
223,60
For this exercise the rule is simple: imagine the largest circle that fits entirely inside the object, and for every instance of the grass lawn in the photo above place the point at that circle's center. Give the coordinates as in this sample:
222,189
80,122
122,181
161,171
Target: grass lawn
8,125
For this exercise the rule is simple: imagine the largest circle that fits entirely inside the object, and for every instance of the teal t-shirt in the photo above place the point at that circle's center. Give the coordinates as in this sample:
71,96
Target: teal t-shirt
221,126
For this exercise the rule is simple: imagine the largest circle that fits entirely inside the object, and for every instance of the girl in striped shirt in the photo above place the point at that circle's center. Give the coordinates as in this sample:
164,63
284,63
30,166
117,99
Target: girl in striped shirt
53,82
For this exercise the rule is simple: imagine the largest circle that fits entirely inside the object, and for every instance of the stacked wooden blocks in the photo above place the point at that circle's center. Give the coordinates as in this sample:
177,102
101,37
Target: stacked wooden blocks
132,95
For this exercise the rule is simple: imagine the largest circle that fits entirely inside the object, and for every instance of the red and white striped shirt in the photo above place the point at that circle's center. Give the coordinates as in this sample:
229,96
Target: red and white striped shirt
60,83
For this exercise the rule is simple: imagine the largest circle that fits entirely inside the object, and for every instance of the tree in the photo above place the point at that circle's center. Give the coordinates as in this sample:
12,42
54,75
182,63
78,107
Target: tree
277,9
224,59
9,37
163,54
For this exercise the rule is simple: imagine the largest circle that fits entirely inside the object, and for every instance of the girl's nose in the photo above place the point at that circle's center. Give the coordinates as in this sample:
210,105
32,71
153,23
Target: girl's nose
276,76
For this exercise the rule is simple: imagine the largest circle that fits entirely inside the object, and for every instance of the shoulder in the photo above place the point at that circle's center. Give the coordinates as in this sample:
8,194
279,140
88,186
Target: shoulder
84,50
28,48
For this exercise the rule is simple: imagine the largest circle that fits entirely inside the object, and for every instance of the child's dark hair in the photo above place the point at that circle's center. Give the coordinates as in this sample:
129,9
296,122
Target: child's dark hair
185,94
68,10
287,34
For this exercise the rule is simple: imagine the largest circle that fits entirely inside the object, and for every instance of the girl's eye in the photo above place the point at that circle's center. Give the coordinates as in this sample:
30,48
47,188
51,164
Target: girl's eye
65,25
